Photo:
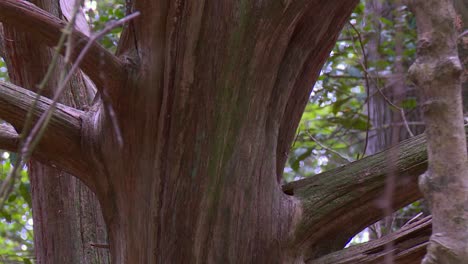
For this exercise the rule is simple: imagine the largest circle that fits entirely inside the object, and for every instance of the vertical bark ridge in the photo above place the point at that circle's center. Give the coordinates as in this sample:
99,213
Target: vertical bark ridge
198,173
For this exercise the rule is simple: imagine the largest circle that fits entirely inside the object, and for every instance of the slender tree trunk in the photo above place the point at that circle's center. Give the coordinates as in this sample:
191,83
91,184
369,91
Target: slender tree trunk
66,214
381,115
385,92
437,73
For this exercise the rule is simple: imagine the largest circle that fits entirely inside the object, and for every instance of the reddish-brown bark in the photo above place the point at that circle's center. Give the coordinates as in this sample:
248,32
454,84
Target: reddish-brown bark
209,101
66,214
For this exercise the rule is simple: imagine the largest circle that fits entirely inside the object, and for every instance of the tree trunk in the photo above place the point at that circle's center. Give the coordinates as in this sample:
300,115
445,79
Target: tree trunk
218,160
198,184
437,73
66,214
386,94
207,96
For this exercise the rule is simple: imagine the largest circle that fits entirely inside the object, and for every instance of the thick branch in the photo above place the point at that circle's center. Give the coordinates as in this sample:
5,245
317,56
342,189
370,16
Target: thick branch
409,247
103,68
9,139
61,143
339,203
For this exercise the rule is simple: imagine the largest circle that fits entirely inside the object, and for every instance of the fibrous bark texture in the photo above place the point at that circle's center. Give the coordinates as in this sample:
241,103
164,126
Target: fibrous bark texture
67,217
437,73
207,95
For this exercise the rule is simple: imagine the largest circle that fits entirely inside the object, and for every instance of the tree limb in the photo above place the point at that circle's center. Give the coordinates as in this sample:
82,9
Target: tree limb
102,67
9,139
61,144
409,247
341,202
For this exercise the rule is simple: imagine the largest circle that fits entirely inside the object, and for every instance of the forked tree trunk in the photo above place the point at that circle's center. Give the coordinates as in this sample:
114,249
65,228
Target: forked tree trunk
208,95
214,86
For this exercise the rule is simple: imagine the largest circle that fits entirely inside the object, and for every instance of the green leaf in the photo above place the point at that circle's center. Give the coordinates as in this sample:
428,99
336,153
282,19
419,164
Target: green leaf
6,216
387,22
295,164
409,103
24,190
336,107
12,198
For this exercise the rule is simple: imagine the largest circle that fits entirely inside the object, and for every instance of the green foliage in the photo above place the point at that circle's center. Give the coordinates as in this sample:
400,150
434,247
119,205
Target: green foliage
16,235
3,70
101,12
334,124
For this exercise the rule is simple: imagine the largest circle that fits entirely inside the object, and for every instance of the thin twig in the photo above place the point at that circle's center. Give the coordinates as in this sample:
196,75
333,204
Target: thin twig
386,99
29,143
342,156
463,34
7,186
412,220
365,66
39,128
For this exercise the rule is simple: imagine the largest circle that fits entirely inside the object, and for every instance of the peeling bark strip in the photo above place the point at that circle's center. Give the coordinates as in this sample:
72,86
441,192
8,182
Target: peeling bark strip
437,72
